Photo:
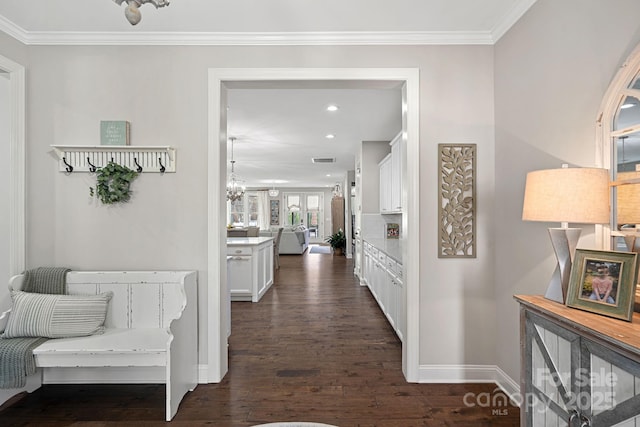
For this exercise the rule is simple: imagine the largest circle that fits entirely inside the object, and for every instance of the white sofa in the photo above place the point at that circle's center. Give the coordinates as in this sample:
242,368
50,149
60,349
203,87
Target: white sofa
292,242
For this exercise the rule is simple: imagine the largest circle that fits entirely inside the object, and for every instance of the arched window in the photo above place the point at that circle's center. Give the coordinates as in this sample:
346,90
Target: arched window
618,149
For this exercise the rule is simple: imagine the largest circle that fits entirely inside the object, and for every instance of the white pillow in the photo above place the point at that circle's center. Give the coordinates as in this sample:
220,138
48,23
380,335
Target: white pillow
56,316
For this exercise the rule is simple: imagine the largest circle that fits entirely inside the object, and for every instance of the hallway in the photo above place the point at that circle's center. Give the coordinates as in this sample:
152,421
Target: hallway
315,348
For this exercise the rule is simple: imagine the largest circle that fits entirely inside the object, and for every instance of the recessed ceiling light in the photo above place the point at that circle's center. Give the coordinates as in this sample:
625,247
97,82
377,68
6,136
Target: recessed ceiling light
328,174
330,136
627,105
332,108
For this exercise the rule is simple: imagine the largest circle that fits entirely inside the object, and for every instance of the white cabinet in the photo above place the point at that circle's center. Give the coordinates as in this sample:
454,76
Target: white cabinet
391,178
385,185
397,155
250,267
578,368
357,258
383,275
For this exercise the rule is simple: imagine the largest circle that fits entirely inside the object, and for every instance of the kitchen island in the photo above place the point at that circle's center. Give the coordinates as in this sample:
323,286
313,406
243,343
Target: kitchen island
250,267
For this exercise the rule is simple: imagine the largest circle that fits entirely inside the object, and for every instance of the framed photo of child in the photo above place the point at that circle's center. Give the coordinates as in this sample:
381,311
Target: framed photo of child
603,282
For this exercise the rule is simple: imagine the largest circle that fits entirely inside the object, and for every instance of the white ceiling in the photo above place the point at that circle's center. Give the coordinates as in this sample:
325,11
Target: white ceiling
278,131
263,21
279,127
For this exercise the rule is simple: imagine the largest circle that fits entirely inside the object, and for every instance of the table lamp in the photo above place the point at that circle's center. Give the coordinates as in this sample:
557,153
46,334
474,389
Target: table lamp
576,195
628,207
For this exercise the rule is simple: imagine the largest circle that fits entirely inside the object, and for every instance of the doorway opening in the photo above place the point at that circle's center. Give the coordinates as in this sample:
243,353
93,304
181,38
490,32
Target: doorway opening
12,126
220,80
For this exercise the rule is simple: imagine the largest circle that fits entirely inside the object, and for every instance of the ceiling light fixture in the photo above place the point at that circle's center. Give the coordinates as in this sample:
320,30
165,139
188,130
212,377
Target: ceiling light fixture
235,191
332,108
273,192
330,136
131,11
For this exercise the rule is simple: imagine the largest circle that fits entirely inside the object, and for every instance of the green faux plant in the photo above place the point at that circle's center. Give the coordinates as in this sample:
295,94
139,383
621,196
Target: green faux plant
113,183
337,240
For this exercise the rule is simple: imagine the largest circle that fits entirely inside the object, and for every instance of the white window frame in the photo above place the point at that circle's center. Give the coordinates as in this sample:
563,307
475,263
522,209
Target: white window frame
605,135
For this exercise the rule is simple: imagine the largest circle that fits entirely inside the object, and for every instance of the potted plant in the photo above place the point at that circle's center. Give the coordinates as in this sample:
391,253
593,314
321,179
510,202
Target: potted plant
337,241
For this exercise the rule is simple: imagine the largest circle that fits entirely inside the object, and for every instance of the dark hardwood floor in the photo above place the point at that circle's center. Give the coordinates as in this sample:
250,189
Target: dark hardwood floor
315,348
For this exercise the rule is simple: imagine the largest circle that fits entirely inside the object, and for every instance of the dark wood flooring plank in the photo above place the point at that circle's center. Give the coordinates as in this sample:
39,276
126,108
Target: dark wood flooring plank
315,348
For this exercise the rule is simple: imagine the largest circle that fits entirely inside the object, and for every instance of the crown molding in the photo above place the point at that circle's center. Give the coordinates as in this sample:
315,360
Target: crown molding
510,18
245,38
91,38
13,30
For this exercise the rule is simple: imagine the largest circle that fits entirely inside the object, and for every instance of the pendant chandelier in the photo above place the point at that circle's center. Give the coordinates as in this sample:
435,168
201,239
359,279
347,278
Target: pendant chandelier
235,191
131,11
273,192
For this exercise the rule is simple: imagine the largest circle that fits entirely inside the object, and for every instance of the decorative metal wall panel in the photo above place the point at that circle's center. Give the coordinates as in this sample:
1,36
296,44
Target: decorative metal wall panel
457,201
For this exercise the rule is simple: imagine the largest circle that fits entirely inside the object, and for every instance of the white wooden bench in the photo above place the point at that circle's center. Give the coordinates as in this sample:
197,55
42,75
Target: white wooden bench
150,334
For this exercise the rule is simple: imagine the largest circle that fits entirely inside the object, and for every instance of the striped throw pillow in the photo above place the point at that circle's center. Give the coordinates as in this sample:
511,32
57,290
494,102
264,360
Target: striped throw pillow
56,316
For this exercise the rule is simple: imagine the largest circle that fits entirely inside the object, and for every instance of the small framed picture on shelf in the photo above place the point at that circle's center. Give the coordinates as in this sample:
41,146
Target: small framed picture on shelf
603,282
114,132
393,231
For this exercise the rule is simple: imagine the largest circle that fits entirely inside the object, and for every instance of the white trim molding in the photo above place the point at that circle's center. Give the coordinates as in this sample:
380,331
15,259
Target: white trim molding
17,211
216,280
17,227
247,38
611,101
459,374
274,38
511,17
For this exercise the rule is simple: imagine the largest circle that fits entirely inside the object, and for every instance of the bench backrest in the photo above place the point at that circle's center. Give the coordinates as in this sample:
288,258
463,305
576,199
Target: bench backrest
141,299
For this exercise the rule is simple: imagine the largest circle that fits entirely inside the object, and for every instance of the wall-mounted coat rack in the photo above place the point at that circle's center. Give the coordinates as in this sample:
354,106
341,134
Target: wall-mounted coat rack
87,158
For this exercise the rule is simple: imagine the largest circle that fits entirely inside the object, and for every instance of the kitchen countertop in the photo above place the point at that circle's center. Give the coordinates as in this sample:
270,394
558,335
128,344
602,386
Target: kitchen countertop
247,241
391,247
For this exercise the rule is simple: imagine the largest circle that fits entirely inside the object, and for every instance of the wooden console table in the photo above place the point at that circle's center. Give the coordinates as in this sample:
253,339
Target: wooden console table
577,368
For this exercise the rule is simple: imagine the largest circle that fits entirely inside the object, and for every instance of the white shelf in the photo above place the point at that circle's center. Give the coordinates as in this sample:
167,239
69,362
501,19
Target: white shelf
149,158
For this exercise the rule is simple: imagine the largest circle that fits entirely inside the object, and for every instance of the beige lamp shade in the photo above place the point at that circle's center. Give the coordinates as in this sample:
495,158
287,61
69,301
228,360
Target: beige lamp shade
576,195
628,199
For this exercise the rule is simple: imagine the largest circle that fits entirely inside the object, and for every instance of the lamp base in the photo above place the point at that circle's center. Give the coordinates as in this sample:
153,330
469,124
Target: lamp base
564,241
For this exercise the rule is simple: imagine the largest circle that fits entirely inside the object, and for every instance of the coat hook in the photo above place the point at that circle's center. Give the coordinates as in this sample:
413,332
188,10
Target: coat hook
92,167
139,168
68,167
162,168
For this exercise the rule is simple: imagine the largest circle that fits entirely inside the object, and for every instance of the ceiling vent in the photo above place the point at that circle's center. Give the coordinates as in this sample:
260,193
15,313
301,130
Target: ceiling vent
323,159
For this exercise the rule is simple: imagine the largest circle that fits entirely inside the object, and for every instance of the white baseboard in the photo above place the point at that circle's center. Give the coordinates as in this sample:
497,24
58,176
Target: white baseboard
455,374
509,386
203,374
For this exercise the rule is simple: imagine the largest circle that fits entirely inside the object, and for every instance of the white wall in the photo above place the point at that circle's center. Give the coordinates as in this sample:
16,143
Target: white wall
13,49
162,91
552,70
457,307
